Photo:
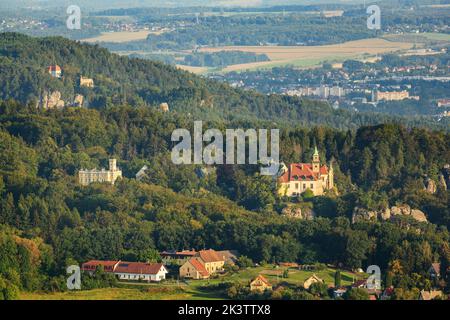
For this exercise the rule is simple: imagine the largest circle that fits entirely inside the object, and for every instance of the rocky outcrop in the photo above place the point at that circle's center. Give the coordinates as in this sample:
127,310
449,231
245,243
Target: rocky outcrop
164,107
430,186
78,101
51,100
362,214
419,215
298,213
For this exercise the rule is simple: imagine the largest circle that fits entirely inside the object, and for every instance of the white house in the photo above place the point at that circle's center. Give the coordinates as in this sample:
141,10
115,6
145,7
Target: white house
135,271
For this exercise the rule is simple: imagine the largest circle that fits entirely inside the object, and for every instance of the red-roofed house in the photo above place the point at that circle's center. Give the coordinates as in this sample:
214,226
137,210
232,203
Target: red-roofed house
91,266
299,177
54,71
260,284
212,261
140,271
194,269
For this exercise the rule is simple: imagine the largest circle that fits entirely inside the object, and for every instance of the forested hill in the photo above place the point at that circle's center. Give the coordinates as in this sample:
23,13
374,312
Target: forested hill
121,80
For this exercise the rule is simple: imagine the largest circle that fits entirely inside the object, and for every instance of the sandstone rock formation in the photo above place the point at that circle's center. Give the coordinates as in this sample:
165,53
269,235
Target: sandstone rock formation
78,101
298,213
430,186
51,100
362,214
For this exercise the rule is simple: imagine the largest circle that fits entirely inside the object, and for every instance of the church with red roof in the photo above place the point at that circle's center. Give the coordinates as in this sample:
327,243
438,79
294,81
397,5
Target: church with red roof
299,177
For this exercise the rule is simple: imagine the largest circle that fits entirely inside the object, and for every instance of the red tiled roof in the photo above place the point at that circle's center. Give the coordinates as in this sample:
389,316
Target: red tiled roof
209,256
302,172
359,283
108,265
263,279
138,267
199,267
54,68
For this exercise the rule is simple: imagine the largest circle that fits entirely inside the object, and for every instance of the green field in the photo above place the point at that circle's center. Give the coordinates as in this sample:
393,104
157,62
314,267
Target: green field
192,290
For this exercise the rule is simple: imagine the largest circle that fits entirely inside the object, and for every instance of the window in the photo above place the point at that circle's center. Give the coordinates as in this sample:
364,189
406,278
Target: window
296,186
312,185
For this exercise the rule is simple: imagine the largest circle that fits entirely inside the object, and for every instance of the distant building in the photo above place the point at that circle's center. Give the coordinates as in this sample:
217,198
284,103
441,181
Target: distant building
135,271
230,256
260,284
311,280
193,269
86,177
212,261
391,95
299,177
86,82
91,266
202,265
339,292
177,257
443,103
55,71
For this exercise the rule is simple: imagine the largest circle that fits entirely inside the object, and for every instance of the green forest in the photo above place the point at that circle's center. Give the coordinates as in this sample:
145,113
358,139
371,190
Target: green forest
48,221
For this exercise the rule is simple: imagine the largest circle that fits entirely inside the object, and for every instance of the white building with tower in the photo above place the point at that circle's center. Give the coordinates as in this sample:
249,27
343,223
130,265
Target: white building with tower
86,177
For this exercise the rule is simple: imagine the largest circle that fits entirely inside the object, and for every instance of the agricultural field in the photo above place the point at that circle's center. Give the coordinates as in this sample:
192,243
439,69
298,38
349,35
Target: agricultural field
192,290
119,37
309,56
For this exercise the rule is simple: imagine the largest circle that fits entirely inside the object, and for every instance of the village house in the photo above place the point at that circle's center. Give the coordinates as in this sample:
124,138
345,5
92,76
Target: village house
260,284
55,71
311,280
212,261
339,292
134,271
86,177
193,269
202,265
299,177
91,266
229,256
177,257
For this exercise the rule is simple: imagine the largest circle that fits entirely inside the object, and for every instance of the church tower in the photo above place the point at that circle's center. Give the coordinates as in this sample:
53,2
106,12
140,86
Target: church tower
316,161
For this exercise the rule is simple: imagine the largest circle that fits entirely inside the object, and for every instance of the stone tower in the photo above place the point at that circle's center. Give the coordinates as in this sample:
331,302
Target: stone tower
316,161
112,165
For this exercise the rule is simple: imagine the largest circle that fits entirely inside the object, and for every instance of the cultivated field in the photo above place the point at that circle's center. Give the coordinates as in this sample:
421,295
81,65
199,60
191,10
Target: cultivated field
192,290
307,56
123,36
